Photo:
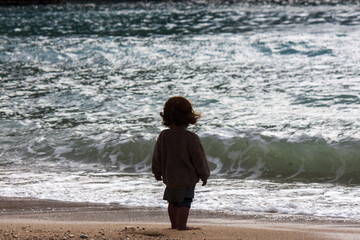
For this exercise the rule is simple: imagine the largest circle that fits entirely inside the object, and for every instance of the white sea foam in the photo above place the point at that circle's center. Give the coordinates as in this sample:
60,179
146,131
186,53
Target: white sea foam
219,195
218,165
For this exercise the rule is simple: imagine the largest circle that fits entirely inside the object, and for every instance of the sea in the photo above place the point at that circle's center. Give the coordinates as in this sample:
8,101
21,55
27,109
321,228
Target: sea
278,87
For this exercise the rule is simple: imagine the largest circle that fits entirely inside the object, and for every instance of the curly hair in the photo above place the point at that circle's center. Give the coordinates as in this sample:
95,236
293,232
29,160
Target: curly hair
179,111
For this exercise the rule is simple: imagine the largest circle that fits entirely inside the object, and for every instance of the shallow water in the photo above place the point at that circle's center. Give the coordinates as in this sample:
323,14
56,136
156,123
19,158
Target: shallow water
278,87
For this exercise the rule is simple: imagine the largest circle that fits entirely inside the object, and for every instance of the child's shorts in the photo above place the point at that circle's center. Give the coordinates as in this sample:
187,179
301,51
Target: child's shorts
180,197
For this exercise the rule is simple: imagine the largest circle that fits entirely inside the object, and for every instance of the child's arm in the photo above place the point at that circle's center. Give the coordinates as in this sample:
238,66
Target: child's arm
156,161
199,161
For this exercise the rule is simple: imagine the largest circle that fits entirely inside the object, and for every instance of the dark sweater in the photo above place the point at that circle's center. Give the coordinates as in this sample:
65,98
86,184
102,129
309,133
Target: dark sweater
179,158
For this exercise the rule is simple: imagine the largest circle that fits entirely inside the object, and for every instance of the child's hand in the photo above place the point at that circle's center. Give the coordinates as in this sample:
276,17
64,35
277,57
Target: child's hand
204,181
158,178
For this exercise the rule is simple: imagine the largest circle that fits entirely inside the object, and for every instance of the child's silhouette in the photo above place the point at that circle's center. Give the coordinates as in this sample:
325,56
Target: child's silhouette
179,159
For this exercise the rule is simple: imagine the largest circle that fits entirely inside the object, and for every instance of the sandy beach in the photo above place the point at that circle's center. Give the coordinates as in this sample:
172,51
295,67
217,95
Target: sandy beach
25,218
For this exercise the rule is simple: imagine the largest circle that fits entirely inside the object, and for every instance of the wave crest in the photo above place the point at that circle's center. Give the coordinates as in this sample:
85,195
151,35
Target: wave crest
311,160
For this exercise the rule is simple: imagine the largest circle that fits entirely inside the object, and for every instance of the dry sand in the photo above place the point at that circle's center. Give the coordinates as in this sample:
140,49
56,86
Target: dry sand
22,218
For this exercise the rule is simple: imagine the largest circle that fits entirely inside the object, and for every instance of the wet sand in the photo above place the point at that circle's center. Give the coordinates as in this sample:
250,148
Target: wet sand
25,218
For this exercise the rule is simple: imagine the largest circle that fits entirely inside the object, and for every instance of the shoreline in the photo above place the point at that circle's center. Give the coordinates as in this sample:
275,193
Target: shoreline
28,218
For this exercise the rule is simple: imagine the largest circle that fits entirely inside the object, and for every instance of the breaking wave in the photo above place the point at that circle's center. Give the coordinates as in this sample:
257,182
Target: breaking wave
245,158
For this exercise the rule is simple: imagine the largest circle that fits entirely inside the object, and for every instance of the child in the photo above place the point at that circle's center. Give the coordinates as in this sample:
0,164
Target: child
179,159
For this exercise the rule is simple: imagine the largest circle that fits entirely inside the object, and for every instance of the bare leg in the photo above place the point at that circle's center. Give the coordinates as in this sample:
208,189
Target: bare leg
183,214
173,215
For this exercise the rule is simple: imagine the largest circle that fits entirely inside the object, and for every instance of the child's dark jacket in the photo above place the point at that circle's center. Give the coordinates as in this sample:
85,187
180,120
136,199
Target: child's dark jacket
179,158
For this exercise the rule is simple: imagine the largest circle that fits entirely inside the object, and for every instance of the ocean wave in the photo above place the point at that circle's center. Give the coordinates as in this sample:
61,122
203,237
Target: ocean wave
270,158
312,160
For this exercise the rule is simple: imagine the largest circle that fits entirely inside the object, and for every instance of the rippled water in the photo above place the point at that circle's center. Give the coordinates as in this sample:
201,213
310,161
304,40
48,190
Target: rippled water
82,85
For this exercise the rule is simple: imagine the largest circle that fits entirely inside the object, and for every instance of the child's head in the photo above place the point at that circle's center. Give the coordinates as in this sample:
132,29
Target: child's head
178,111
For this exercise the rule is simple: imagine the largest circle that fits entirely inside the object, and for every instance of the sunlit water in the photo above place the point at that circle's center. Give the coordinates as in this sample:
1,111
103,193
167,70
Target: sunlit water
82,85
